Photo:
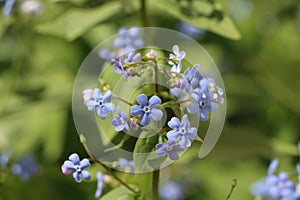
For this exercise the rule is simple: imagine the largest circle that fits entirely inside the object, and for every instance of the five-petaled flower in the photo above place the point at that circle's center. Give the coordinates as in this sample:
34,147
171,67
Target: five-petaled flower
25,167
203,102
120,122
170,148
147,109
101,104
176,59
182,131
77,167
189,77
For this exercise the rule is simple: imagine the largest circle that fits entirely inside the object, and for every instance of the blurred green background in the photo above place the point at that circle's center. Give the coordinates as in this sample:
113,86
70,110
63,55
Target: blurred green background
41,51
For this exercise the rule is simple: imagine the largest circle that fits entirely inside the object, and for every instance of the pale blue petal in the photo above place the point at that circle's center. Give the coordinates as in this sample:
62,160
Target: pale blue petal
86,175
177,148
77,176
109,107
136,110
161,146
193,108
154,101
69,165
84,163
145,119
272,167
161,152
173,134
192,133
174,123
175,49
74,158
156,114
97,94
214,107
142,100
173,155
99,185
203,114
107,96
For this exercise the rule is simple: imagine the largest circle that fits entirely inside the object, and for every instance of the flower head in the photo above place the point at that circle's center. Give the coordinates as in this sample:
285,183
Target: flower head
107,55
151,54
189,77
101,104
25,167
120,122
171,190
126,165
203,102
147,109
77,167
99,185
175,59
182,131
128,39
170,148
132,57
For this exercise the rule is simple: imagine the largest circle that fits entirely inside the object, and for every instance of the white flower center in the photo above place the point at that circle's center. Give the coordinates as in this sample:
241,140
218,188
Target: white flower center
202,104
146,109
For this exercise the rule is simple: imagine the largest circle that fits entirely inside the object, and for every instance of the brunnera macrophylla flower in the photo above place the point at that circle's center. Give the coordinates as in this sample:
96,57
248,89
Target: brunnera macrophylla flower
189,76
202,102
128,39
25,167
100,103
132,57
147,109
120,122
77,167
176,58
170,148
182,131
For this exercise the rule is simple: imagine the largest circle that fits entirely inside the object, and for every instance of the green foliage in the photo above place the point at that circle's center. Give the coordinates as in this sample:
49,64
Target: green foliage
121,193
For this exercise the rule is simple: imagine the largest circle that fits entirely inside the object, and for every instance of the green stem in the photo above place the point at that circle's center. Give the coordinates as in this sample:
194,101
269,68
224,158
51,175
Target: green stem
123,100
155,184
109,171
156,79
233,185
144,13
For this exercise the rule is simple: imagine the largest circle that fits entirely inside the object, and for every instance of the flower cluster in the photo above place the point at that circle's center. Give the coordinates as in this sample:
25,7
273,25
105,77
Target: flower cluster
277,186
199,94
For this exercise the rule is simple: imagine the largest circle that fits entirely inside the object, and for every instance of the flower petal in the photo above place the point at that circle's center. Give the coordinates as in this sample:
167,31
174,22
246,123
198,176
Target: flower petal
69,165
203,114
136,110
99,185
109,107
142,100
175,49
161,152
84,163
77,176
193,108
145,119
107,96
172,134
154,101
74,158
86,175
174,123
161,146
97,94
156,114
173,155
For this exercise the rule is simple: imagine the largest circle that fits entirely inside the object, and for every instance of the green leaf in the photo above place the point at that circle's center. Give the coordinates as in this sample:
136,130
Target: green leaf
121,193
143,153
77,21
201,14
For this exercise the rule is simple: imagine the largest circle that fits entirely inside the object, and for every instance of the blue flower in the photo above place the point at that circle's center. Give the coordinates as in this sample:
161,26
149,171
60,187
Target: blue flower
170,148
120,121
77,167
101,104
176,58
189,77
147,109
132,57
4,158
107,55
171,190
279,186
99,185
126,165
203,102
128,39
25,167
181,131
